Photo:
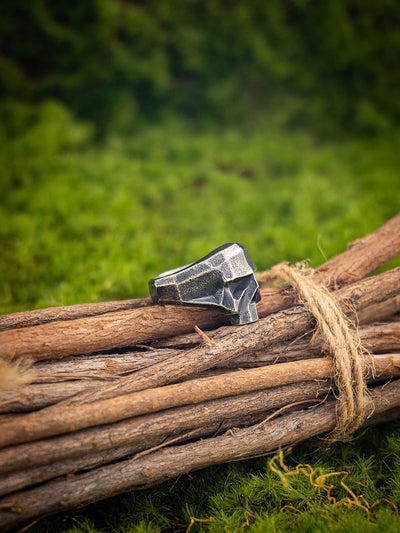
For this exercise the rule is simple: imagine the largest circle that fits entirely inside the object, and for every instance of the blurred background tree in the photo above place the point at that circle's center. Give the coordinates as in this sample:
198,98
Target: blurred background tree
332,64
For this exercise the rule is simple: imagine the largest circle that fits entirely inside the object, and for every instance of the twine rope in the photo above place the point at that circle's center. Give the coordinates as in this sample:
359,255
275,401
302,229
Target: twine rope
343,341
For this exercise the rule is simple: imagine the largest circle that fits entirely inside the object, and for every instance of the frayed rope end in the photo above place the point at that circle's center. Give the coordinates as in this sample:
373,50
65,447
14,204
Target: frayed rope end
16,373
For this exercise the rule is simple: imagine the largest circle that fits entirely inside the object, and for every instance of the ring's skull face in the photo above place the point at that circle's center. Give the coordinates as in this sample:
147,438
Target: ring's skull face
223,279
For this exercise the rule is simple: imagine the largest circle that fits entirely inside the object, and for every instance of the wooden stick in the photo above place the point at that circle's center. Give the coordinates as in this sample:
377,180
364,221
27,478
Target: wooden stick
60,380
56,340
32,476
82,489
375,338
68,312
21,479
66,419
380,312
57,381
352,265
32,397
64,375
105,366
382,418
124,328
244,340
139,431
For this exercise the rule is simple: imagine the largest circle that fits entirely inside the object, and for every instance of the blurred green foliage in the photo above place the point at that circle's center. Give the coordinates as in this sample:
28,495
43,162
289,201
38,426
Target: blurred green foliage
332,64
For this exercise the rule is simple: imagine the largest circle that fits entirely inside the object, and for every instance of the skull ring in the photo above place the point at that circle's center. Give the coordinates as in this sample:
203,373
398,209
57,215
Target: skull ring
223,279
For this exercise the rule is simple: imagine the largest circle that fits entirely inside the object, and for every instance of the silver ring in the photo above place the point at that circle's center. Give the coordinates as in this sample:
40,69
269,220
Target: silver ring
224,279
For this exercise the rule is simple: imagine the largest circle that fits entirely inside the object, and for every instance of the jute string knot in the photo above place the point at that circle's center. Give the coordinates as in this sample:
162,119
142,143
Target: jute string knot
342,340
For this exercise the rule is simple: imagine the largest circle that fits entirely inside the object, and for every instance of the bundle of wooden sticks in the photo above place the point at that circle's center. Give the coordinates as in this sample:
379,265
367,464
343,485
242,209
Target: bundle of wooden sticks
128,394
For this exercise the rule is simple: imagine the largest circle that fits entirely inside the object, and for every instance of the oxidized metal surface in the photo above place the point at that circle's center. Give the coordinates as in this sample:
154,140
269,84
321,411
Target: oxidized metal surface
223,279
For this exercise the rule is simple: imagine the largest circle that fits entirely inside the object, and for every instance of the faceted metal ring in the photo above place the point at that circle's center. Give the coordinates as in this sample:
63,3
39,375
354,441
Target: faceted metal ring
223,279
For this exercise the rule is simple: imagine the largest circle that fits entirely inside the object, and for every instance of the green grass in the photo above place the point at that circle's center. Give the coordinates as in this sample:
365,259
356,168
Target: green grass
83,222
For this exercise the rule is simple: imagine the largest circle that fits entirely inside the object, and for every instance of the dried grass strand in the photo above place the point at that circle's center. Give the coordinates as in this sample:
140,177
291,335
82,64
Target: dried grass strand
16,373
